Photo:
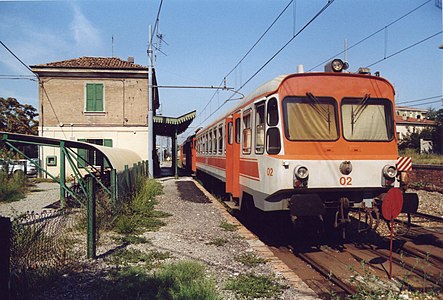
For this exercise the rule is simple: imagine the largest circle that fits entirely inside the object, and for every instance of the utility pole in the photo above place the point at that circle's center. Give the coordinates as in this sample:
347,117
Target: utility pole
150,111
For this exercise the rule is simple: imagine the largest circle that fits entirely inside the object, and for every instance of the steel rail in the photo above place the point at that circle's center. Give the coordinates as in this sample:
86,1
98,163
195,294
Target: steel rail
326,273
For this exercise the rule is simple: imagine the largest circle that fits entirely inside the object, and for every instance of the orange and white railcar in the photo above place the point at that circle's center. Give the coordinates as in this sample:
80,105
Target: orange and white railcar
307,142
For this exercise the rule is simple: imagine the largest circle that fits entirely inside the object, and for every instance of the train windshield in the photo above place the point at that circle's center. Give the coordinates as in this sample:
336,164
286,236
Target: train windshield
310,118
367,119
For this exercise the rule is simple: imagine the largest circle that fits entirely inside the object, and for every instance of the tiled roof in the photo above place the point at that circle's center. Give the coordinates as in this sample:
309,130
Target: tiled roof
405,120
94,63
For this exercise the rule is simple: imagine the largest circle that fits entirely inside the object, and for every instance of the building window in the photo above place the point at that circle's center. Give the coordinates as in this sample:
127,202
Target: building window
94,97
94,158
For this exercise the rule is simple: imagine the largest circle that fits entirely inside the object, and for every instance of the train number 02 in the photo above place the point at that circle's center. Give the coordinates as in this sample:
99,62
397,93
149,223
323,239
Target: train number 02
270,171
345,180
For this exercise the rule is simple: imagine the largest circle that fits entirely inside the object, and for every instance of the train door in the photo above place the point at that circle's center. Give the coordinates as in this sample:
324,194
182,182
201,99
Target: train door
194,155
233,155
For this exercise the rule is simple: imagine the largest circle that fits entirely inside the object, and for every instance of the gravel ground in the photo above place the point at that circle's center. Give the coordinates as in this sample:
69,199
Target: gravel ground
40,196
194,224
188,235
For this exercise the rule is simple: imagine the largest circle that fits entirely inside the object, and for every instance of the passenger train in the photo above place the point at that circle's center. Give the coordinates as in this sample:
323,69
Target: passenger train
315,144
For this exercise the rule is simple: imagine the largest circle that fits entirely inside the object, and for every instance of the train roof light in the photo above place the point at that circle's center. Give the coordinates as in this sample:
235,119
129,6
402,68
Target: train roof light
336,65
365,71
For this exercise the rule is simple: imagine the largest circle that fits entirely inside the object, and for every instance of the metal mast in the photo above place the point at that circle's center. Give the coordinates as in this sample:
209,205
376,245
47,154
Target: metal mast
150,111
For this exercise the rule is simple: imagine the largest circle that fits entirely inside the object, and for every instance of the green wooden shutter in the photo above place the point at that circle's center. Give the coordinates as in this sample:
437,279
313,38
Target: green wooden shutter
98,97
107,143
82,153
90,97
94,97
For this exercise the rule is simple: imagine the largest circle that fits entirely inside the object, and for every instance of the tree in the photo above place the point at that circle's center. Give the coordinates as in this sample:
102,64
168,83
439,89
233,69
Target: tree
18,118
437,134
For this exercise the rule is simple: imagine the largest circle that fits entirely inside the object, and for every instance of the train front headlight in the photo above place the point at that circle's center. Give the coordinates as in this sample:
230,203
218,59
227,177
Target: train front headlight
389,171
301,172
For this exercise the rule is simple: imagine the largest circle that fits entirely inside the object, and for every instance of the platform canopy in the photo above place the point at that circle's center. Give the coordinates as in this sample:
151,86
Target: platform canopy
117,157
169,126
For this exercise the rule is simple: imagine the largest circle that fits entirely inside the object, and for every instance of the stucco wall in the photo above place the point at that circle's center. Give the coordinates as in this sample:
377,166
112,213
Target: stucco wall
63,101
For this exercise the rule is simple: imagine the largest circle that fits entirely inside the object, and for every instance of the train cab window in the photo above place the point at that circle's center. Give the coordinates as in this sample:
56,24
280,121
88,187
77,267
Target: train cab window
272,116
273,144
220,139
367,119
237,131
247,134
260,128
310,118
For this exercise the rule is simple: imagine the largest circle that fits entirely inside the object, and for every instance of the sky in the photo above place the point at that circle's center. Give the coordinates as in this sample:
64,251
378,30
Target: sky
203,40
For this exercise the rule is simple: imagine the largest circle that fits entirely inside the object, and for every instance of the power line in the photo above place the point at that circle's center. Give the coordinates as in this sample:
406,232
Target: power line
421,104
406,48
249,51
13,54
371,35
273,56
419,100
288,42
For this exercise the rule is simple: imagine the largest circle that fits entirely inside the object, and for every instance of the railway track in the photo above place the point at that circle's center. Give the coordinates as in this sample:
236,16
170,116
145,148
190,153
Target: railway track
428,217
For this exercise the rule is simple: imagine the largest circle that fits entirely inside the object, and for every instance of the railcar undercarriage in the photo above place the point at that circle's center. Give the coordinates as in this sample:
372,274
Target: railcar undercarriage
337,206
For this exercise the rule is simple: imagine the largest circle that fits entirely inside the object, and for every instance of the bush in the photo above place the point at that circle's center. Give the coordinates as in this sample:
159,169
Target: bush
12,188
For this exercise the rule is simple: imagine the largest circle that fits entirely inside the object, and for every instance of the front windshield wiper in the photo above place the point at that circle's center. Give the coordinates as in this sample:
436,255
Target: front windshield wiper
362,105
325,114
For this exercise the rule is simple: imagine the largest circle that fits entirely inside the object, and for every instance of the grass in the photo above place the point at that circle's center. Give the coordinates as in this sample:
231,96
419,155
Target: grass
422,159
148,260
139,214
249,286
228,226
184,280
250,259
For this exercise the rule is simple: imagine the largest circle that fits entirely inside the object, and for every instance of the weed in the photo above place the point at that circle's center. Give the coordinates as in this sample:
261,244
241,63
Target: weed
217,242
228,226
134,256
250,286
139,214
250,259
185,280
131,239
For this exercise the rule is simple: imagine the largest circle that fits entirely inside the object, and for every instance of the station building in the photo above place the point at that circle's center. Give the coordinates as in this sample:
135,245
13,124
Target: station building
100,100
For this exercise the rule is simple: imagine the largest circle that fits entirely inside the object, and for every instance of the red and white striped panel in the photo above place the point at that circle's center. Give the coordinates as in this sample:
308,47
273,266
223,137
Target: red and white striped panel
404,163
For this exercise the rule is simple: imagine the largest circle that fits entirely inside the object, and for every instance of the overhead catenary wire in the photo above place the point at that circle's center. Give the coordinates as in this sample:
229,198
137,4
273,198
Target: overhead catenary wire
420,100
371,35
249,52
40,82
406,48
272,57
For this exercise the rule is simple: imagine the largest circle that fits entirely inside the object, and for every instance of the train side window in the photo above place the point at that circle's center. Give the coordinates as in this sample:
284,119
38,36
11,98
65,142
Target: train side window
272,116
260,128
207,144
210,142
237,131
214,141
273,144
230,133
220,139
247,133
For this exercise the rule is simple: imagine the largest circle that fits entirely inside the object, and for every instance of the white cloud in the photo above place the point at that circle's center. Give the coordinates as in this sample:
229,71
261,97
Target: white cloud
85,34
